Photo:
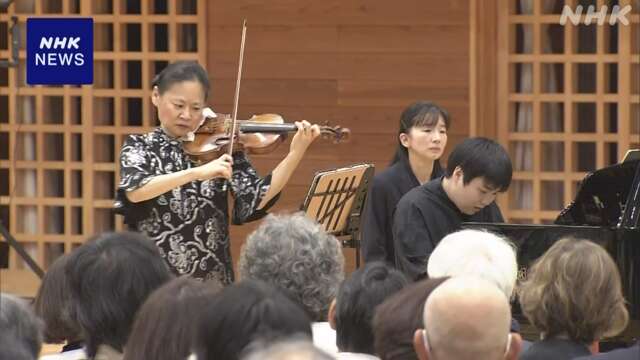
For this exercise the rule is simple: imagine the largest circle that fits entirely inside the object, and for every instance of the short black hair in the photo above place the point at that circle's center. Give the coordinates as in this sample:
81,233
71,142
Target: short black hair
248,312
53,305
419,113
357,300
481,157
180,71
110,277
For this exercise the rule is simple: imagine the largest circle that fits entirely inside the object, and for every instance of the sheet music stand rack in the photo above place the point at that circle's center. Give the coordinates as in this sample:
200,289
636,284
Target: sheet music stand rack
336,199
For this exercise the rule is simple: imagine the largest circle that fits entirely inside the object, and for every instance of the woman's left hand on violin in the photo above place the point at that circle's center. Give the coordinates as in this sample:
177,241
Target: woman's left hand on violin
304,136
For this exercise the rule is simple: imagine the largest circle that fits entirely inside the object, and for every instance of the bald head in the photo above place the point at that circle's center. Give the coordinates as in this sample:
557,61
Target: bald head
467,318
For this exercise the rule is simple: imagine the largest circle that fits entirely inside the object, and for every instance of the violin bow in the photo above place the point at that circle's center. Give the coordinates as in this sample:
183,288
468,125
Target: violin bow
237,95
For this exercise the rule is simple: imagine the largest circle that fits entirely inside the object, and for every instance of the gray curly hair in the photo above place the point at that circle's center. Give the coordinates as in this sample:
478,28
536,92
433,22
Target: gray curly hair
295,253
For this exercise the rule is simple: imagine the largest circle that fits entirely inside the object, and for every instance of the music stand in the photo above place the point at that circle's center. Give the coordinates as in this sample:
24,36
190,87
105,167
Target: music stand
335,200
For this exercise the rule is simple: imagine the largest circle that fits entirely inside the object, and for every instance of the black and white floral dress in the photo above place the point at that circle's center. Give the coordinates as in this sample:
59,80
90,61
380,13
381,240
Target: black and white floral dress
189,224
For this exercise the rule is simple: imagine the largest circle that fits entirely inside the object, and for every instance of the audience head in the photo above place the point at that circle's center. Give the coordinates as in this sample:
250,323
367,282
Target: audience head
248,312
20,330
466,318
574,290
110,277
170,313
296,254
416,118
477,170
476,253
53,305
397,318
352,312
291,349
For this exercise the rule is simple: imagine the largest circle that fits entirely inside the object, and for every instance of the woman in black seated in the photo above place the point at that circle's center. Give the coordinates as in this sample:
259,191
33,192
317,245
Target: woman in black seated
422,137
573,296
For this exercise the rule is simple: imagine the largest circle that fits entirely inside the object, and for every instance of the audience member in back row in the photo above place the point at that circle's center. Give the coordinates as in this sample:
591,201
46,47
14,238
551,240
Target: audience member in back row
247,316
164,326
477,253
573,297
110,277
466,318
630,353
397,318
53,306
20,330
291,349
351,313
294,253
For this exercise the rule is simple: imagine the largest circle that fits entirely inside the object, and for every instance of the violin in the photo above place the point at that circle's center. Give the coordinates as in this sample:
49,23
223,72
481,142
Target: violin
261,134
220,133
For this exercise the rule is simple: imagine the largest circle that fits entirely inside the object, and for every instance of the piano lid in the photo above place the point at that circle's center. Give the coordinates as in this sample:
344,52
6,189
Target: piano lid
606,197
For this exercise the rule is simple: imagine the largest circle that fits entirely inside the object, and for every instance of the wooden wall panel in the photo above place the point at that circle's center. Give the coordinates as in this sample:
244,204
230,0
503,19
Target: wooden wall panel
572,85
483,68
353,63
339,12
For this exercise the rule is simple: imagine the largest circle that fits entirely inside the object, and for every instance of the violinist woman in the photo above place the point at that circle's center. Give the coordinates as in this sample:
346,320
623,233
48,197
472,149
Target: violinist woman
422,138
183,207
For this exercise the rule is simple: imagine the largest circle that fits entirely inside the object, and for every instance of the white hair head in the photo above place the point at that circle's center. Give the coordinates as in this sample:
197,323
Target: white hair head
476,253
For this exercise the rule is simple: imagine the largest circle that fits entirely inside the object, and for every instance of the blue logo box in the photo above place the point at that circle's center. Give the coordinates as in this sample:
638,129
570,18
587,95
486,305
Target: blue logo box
59,51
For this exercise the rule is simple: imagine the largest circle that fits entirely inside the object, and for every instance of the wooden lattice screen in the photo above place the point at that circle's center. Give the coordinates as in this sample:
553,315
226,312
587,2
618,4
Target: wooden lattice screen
568,100
59,145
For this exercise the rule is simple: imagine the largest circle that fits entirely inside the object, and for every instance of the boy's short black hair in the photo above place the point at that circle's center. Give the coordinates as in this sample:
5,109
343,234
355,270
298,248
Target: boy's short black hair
357,300
482,157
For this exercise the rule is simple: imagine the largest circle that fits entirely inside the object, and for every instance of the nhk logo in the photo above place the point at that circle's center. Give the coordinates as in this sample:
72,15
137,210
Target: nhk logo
617,14
53,58
59,51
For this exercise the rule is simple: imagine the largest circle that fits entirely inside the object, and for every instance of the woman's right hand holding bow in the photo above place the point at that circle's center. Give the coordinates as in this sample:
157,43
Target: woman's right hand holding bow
218,168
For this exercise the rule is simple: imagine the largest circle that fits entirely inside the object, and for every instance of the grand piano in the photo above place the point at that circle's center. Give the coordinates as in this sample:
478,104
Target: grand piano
606,210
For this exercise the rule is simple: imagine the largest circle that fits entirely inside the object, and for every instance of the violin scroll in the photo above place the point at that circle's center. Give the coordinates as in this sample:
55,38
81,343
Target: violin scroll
336,134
